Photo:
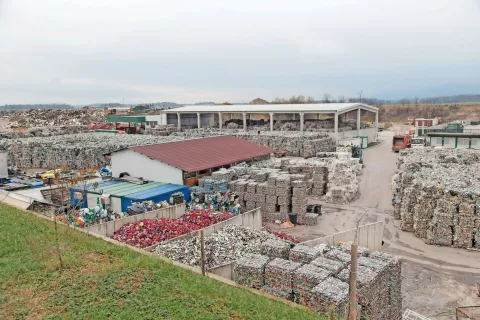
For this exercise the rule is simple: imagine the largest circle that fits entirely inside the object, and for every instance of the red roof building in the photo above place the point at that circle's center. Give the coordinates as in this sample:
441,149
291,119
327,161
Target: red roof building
174,162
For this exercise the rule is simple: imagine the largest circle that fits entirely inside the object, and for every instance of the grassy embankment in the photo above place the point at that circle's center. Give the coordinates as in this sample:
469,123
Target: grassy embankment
100,280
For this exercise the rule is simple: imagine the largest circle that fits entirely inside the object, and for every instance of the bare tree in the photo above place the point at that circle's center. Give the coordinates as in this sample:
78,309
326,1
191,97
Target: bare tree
310,99
404,102
415,101
326,98
341,99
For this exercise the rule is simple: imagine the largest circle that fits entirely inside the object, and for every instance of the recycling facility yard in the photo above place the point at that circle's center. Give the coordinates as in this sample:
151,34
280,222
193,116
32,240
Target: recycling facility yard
429,210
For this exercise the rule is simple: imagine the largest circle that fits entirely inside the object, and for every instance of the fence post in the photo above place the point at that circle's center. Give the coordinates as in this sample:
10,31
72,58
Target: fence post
202,252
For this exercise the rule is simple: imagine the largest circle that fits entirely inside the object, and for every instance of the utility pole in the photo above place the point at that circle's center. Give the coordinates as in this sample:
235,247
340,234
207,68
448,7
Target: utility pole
360,95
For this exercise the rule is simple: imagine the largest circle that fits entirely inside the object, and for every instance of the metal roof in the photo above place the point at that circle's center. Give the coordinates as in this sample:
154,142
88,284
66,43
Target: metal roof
201,154
147,194
118,188
278,108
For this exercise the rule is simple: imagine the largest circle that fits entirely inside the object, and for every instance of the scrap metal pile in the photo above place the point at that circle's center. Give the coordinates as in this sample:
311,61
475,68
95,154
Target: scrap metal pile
437,195
226,245
73,150
295,143
56,117
86,217
44,132
322,284
161,130
148,232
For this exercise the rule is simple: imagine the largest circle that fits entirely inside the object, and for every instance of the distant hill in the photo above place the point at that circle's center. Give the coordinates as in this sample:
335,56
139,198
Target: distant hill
15,107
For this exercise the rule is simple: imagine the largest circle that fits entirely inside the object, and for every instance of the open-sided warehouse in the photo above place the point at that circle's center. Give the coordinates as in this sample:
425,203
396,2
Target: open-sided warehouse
180,161
123,194
340,112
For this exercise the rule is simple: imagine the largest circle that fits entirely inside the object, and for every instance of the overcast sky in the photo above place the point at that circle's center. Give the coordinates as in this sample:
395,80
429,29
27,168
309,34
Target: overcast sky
88,51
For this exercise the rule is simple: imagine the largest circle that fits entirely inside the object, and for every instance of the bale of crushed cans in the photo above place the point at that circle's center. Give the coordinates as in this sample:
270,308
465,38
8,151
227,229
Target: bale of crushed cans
334,266
330,298
276,248
279,274
304,254
305,279
249,270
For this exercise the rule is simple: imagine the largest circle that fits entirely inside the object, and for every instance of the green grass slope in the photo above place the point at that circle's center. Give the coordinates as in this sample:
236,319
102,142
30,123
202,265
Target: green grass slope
100,280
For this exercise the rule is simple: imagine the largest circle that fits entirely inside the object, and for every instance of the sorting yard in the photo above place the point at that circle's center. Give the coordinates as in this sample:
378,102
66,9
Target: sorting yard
300,199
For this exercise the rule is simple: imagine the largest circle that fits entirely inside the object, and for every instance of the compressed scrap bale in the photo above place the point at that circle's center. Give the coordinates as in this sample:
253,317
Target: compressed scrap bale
276,248
299,184
284,191
334,266
304,254
271,200
279,274
271,191
299,192
338,255
262,188
252,187
330,298
368,285
283,181
278,293
310,219
305,279
249,270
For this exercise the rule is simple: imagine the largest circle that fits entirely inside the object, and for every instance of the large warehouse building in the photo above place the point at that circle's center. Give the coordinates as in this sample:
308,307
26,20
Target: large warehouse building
183,162
199,116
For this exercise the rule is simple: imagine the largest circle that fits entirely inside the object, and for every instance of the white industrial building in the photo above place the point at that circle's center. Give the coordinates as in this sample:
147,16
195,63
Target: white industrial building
183,162
203,115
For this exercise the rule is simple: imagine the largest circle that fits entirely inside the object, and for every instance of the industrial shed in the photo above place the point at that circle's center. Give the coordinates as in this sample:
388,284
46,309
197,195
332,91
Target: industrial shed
199,116
183,162
122,194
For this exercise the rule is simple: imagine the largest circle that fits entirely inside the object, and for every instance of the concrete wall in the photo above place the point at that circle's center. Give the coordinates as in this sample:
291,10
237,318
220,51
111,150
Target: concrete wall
224,271
3,164
138,165
369,236
369,132
107,229
161,119
251,219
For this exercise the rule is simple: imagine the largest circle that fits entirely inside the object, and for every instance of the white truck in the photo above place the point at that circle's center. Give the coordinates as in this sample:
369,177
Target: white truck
418,143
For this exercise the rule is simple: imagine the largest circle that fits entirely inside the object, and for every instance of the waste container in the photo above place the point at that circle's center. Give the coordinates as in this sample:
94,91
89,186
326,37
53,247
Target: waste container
292,217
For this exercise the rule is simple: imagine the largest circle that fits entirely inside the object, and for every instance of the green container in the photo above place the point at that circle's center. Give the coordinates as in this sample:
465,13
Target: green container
364,143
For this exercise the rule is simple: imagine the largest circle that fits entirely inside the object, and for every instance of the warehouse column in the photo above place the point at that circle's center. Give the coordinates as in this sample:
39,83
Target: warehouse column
198,120
220,120
301,121
376,126
271,121
358,121
335,125
244,121
179,121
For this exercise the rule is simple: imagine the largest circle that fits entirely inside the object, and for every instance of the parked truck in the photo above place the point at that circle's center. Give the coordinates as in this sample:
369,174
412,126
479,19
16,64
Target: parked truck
400,142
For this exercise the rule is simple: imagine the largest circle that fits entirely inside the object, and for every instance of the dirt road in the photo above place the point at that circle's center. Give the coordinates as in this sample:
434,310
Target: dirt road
380,164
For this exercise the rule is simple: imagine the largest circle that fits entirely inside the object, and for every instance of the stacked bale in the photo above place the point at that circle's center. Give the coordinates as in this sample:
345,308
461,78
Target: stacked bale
279,277
305,279
436,194
275,248
249,270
